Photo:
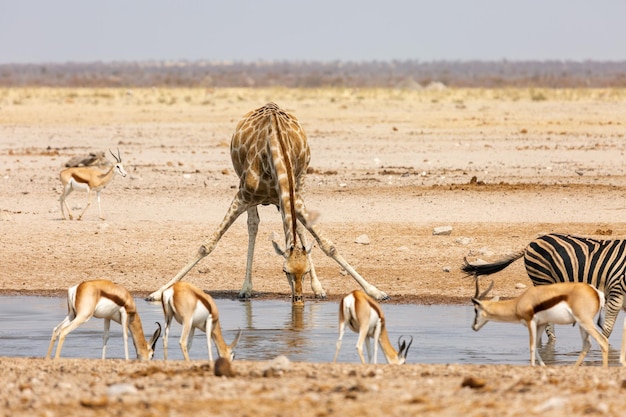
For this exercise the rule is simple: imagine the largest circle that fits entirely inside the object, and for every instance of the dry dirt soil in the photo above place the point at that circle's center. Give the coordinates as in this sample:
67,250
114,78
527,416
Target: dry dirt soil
499,166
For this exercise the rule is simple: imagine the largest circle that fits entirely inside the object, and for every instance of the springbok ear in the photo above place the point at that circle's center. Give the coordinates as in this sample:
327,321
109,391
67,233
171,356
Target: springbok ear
234,343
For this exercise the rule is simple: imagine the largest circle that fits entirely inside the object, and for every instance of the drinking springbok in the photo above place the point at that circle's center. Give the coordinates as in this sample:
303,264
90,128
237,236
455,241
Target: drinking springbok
364,316
194,309
88,179
104,300
561,303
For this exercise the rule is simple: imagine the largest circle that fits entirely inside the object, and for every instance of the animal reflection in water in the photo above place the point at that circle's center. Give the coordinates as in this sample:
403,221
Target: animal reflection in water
291,338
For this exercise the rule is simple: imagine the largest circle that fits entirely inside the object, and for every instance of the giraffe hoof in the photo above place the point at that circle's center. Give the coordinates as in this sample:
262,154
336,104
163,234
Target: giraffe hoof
321,296
245,295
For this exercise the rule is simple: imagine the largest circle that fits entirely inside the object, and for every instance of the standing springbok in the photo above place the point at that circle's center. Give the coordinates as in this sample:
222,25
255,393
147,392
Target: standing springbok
193,308
88,179
364,316
106,300
561,303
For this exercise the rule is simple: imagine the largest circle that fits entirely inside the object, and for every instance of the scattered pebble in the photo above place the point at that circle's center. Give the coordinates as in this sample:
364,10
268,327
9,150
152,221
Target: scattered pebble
473,382
463,240
277,366
121,389
442,230
362,240
223,367
554,403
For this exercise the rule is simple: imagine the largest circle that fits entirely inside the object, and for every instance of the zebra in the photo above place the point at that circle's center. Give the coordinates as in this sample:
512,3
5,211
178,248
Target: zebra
557,257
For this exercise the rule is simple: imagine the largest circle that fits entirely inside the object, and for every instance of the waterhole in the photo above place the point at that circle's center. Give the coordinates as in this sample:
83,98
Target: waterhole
441,333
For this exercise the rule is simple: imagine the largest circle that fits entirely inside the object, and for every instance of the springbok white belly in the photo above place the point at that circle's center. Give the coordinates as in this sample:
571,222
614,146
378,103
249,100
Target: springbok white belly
80,186
558,314
199,318
108,309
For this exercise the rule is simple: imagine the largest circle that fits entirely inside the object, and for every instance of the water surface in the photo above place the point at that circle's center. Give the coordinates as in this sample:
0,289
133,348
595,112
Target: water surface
441,333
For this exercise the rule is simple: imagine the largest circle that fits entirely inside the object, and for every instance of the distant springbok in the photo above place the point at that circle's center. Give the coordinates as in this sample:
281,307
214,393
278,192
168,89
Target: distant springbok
105,300
364,316
88,179
561,303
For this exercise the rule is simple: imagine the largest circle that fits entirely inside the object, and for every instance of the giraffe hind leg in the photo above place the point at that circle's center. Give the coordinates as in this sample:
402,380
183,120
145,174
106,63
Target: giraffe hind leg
253,228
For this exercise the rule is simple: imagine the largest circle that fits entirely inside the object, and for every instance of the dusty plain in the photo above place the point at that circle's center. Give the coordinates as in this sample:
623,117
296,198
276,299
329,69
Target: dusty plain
500,166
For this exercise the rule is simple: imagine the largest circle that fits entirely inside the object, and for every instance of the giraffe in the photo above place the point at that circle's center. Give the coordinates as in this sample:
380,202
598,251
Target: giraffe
270,155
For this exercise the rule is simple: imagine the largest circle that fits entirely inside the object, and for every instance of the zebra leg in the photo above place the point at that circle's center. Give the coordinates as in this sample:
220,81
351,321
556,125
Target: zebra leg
611,310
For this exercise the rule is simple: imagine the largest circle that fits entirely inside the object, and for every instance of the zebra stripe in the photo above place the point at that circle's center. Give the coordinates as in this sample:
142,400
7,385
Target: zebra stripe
556,258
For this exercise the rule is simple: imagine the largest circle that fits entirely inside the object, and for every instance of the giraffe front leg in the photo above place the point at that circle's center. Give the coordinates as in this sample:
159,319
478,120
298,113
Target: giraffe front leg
328,247
316,285
236,208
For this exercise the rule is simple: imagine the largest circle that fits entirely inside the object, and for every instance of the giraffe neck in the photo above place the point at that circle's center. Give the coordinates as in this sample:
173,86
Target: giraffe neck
285,156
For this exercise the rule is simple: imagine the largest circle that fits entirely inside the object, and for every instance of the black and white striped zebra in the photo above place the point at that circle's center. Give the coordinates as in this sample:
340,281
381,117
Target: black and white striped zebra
561,258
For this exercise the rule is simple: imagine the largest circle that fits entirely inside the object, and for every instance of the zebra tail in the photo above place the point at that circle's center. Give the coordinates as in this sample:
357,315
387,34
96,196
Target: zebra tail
488,269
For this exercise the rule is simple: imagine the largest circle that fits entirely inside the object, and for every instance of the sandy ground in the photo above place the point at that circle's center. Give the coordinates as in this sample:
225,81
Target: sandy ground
499,166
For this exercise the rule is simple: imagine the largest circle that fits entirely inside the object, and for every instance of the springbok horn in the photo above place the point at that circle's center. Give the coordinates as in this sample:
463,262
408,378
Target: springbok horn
118,154
403,347
114,156
155,336
478,295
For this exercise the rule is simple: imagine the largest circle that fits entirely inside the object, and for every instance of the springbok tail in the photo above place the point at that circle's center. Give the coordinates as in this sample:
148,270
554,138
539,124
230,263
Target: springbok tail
492,268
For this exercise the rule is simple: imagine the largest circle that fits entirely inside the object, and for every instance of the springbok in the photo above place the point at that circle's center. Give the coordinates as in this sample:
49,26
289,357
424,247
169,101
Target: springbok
560,303
105,300
193,308
88,179
364,316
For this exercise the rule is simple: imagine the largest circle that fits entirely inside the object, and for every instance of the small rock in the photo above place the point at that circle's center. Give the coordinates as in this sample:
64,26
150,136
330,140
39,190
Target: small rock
95,402
553,403
447,268
121,389
362,240
473,382
277,366
520,286
463,240
223,367
442,230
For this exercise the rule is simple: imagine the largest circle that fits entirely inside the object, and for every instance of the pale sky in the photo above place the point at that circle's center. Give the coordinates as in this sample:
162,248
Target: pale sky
45,31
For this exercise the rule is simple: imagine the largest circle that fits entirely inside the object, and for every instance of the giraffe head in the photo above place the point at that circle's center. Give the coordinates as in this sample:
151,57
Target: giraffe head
296,266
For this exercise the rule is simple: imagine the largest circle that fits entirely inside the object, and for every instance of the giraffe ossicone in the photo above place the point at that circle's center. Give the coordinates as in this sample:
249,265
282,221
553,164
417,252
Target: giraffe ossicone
270,155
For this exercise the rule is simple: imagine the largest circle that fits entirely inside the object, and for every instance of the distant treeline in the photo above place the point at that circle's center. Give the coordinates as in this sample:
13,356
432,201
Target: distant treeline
395,74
